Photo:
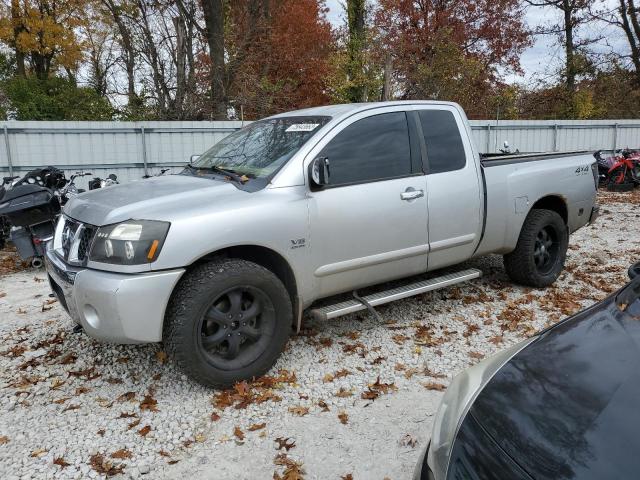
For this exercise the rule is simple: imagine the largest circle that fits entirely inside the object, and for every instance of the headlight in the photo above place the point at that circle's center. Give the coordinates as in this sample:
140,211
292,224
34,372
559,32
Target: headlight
457,400
133,242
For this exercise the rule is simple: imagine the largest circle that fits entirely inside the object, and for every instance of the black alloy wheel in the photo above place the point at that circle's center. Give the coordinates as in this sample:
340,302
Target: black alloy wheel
545,250
237,327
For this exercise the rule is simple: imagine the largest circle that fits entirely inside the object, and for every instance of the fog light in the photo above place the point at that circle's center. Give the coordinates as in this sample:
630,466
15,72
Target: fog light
91,316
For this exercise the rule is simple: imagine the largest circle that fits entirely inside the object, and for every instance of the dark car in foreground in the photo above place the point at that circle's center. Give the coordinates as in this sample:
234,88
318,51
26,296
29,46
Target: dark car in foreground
564,404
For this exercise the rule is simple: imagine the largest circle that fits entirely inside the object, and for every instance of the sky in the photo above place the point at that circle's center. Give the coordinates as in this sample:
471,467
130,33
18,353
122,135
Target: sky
545,56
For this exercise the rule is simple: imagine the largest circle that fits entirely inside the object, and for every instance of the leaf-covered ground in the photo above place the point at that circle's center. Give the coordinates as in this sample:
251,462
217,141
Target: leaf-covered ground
352,398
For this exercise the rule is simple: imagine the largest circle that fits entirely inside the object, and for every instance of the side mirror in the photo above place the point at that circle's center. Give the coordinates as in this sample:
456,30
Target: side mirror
634,270
319,171
194,158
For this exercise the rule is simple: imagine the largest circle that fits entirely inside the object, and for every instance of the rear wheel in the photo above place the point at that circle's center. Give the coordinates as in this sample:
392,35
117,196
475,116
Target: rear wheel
227,321
541,250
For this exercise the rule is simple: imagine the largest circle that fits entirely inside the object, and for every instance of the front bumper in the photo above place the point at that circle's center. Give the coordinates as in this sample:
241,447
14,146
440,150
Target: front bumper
113,307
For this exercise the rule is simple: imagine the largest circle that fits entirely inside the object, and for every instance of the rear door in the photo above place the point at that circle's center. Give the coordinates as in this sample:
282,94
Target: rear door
370,223
453,186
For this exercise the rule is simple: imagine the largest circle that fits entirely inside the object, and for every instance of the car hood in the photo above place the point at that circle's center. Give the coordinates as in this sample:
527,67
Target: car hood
567,405
156,198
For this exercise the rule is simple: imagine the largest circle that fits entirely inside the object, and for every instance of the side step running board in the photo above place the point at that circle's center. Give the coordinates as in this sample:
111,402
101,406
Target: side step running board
416,288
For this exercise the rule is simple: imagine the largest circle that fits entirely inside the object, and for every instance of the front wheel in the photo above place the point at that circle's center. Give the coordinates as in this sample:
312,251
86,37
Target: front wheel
227,321
541,250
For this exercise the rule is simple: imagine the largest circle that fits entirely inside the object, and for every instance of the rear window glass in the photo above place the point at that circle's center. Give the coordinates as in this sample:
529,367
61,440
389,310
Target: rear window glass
445,151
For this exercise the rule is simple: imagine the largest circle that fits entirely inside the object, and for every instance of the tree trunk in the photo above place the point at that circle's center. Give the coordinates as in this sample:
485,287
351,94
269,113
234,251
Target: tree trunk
355,21
567,9
388,69
126,42
633,44
214,30
181,69
15,16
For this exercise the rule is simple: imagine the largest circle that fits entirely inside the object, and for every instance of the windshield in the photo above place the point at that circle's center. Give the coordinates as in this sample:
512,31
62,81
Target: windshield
258,150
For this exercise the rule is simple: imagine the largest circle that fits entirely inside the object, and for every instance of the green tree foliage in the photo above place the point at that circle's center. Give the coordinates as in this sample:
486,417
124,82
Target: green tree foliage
54,98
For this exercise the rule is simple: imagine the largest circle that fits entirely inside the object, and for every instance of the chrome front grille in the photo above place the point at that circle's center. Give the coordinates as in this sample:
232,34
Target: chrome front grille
75,239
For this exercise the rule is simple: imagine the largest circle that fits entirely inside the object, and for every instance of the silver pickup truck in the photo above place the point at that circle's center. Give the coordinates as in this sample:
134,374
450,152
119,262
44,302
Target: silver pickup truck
220,261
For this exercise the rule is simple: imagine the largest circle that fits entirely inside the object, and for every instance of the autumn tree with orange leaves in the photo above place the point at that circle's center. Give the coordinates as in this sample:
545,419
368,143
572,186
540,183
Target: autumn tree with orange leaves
454,49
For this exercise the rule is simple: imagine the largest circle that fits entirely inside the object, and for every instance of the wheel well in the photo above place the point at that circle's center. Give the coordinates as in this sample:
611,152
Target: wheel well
265,257
554,203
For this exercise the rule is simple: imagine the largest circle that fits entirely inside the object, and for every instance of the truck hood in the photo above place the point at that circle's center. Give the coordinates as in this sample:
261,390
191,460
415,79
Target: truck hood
566,406
156,198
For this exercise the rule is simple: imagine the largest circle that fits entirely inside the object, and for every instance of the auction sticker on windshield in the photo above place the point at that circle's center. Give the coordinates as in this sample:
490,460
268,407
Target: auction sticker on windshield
302,127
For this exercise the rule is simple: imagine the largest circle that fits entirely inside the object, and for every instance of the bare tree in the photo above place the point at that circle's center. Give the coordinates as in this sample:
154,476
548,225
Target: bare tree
574,13
118,10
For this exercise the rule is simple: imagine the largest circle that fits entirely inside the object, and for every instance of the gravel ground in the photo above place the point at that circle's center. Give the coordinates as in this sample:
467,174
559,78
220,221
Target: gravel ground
354,396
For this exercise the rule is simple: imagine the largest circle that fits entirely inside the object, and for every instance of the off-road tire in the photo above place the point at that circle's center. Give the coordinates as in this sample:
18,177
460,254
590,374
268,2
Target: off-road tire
191,300
520,264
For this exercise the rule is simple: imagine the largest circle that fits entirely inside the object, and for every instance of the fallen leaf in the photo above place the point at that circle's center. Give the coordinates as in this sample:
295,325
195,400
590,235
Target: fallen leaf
101,432
215,417
56,383
104,466
200,438
348,476
60,401
4,439
239,434
128,415
38,452
127,397
162,453
71,407
60,462
292,470
257,426
144,430
149,403
82,390
285,443
344,418
68,359
121,454
343,393
300,411
133,424
323,405
408,441
161,356
172,462
476,355
434,386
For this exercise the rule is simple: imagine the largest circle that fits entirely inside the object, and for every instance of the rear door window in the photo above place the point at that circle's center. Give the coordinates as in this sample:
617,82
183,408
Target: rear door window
445,150
374,148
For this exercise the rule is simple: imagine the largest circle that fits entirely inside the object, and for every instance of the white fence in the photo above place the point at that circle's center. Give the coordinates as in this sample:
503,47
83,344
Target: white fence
132,149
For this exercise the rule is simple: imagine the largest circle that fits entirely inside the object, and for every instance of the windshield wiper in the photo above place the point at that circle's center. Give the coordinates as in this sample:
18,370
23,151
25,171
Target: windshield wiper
241,179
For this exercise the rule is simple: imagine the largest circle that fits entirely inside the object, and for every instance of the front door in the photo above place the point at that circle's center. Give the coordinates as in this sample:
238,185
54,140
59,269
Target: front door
370,223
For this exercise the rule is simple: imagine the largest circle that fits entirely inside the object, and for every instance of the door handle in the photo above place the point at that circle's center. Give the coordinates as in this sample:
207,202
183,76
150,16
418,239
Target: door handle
411,194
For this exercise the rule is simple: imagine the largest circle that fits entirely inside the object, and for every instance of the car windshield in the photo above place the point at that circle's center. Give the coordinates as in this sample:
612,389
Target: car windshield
261,148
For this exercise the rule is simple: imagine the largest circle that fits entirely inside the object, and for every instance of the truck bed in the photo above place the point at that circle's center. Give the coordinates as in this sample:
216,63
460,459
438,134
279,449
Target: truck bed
496,159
